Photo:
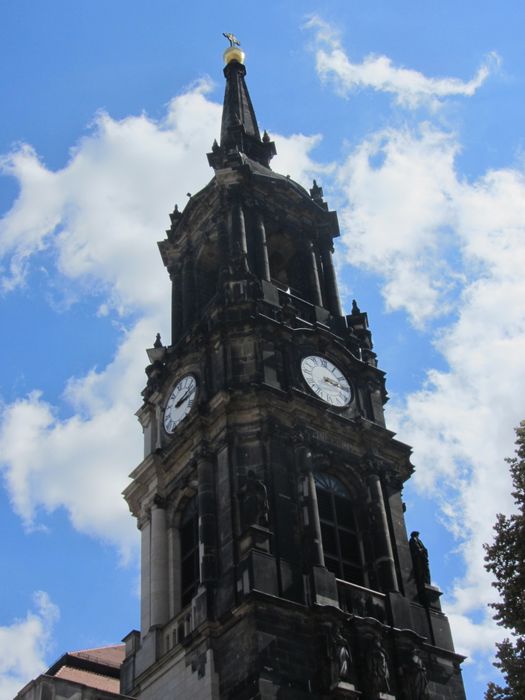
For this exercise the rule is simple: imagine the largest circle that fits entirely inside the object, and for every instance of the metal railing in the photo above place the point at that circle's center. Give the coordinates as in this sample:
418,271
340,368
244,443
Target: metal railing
361,601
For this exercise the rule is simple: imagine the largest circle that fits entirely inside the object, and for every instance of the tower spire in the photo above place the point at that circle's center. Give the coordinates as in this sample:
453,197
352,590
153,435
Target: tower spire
239,129
237,108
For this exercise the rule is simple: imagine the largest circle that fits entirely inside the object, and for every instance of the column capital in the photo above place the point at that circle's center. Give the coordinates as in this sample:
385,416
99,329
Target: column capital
304,458
204,453
159,502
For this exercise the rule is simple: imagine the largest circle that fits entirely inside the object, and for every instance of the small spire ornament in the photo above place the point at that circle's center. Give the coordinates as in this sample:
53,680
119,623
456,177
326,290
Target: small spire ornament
232,39
234,51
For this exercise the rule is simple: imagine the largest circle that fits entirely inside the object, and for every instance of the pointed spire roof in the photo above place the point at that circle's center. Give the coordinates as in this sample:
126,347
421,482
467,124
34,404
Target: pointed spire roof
237,107
239,129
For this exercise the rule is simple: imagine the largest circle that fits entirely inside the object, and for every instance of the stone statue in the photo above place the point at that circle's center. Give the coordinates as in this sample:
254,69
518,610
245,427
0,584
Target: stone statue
415,678
343,655
419,560
239,259
376,664
156,374
255,506
359,604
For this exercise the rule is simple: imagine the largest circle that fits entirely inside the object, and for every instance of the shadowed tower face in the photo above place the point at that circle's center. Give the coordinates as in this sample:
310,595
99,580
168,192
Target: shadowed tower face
275,558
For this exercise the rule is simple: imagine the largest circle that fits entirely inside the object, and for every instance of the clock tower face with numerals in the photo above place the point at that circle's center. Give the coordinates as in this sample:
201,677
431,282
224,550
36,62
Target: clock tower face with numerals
275,558
180,402
326,380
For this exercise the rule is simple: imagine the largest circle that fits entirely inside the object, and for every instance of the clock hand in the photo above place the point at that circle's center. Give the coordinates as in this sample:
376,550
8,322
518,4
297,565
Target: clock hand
340,386
183,399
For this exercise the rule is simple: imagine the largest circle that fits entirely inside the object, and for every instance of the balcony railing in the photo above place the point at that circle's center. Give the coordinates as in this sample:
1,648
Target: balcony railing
361,601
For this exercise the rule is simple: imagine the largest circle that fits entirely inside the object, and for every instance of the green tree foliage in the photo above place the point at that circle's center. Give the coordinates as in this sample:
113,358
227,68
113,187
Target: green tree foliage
505,558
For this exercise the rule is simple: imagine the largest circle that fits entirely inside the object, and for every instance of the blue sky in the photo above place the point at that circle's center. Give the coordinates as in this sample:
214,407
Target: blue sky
409,115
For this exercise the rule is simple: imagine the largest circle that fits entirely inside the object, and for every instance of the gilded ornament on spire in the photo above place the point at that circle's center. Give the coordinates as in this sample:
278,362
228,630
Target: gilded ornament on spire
232,39
234,51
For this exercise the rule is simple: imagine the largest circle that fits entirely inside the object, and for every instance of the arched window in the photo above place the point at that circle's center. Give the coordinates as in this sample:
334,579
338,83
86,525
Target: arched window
189,551
298,277
206,274
278,270
341,542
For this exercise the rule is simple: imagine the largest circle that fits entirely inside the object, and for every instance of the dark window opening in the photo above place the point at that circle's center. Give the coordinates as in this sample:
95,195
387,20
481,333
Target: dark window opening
189,552
341,542
206,277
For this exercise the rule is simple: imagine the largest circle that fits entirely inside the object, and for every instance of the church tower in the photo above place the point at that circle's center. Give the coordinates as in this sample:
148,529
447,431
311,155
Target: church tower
275,558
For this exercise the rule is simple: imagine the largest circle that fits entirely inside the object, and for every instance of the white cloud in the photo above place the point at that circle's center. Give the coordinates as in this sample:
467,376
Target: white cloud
102,214
410,87
453,251
294,159
80,463
445,248
470,637
105,209
23,646
399,187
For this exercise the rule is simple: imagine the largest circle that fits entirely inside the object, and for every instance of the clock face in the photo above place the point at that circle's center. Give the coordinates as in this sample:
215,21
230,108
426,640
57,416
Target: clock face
326,380
180,402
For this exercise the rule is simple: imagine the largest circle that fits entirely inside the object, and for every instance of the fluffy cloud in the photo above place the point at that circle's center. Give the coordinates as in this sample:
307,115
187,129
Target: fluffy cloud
447,251
451,252
80,463
398,185
472,637
294,158
410,87
105,209
101,215
23,645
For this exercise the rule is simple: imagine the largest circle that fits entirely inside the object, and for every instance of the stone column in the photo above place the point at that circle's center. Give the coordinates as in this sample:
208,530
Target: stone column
384,553
316,522
262,248
159,565
317,296
331,293
305,461
176,302
207,518
224,244
188,290
240,244
145,573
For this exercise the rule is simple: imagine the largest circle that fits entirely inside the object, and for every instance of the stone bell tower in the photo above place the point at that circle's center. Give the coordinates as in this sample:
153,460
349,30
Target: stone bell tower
275,559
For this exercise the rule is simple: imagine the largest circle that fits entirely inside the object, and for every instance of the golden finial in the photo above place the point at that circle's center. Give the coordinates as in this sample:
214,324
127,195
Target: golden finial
234,51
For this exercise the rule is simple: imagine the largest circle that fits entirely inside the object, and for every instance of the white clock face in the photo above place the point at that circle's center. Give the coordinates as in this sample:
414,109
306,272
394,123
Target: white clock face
326,380
180,402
